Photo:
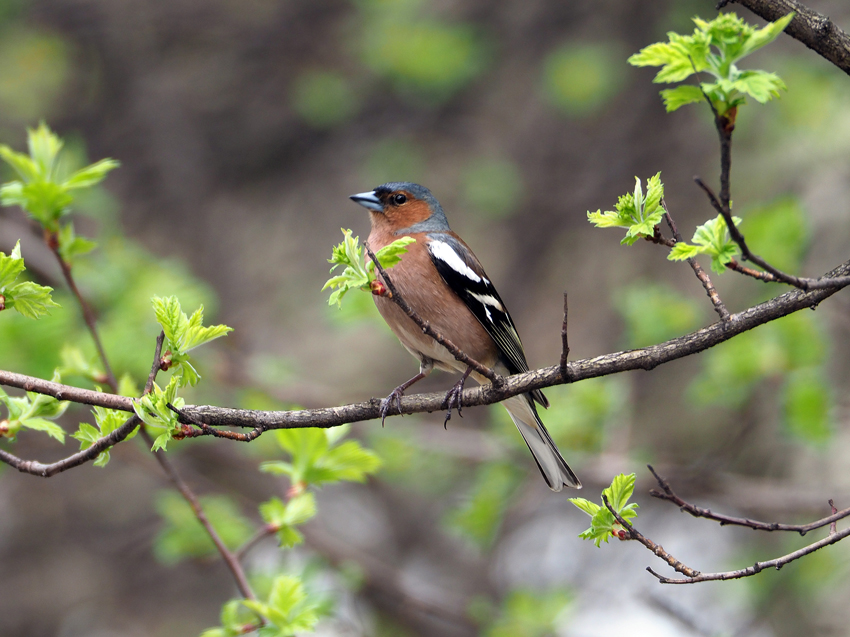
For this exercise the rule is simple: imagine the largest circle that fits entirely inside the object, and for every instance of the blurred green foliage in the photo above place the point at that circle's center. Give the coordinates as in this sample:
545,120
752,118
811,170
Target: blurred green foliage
777,231
183,537
655,312
578,418
580,79
34,69
524,613
478,518
425,59
492,186
323,99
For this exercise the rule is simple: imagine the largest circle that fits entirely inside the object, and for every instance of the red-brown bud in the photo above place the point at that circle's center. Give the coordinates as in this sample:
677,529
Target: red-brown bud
379,289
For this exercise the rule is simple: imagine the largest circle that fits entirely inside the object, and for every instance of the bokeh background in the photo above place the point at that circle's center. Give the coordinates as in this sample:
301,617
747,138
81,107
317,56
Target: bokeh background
242,127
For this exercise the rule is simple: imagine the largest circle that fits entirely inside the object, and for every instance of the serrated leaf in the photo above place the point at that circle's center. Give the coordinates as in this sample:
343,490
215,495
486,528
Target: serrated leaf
683,251
11,267
620,491
675,98
760,85
585,505
44,146
40,424
30,299
20,163
390,255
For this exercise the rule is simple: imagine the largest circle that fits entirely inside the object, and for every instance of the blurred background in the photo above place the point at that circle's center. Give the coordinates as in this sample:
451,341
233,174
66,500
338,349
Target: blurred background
242,127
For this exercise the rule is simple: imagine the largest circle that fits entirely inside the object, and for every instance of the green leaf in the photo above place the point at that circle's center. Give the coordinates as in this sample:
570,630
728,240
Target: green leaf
30,299
761,85
766,35
23,165
585,505
675,98
286,516
41,424
639,213
72,246
44,147
711,238
356,273
91,175
288,609
11,267
602,523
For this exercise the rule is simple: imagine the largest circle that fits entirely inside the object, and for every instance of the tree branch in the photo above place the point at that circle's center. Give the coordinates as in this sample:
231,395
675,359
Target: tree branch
48,470
646,358
668,494
738,238
228,557
813,29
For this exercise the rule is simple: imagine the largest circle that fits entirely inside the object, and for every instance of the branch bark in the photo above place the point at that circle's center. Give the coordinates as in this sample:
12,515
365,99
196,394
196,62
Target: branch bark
813,29
646,358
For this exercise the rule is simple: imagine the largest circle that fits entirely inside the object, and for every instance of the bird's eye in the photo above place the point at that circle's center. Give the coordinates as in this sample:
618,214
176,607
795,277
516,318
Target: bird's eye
399,199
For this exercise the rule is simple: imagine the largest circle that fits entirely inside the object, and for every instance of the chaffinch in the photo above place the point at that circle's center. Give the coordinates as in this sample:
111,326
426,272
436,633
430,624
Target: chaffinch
443,282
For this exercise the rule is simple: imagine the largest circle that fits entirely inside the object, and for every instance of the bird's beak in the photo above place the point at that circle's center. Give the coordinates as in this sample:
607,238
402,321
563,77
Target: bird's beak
368,200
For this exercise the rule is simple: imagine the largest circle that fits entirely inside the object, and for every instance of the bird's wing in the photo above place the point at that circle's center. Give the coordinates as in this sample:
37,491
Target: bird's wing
464,275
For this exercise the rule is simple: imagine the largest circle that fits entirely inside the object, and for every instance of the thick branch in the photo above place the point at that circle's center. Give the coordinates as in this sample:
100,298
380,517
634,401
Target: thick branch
645,358
668,494
813,29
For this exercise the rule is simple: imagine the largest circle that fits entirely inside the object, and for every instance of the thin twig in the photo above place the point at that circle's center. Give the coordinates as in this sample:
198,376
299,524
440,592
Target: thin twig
430,331
565,343
190,497
746,253
758,567
631,533
668,494
88,314
211,431
702,275
644,358
81,457
155,366
261,534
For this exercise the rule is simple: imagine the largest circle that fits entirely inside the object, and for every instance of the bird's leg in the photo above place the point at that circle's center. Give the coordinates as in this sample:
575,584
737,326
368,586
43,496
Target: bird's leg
453,397
396,394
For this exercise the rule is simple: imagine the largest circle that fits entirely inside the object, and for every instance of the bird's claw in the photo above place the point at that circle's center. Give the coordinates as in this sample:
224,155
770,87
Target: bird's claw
453,401
387,403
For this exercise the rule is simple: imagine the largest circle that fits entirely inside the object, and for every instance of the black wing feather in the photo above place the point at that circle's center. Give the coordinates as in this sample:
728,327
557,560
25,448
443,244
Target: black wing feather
486,305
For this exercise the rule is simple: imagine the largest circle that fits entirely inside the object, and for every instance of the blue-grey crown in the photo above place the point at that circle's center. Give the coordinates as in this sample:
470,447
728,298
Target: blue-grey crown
436,222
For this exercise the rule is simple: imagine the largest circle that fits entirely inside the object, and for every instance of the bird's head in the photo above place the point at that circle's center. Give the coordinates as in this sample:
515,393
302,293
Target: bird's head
403,207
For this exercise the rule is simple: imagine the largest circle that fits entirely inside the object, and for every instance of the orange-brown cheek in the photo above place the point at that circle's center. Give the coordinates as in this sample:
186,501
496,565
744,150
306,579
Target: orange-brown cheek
409,214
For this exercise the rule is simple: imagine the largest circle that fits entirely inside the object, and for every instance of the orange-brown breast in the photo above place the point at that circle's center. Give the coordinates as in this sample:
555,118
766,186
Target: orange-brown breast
419,283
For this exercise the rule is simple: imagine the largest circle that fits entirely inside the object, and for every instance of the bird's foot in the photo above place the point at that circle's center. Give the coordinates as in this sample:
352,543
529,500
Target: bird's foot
453,400
387,403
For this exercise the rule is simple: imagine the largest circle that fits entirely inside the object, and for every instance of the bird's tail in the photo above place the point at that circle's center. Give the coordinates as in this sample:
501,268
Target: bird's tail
552,465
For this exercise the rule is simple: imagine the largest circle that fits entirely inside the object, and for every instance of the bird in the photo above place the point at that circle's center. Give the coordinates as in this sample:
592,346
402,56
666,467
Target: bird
444,283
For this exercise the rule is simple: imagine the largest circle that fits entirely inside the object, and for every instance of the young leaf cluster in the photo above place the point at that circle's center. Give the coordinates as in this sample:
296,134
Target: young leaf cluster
711,238
107,420
356,273
153,410
44,189
183,334
317,457
715,47
635,211
33,411
28,298
602,523
283,517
